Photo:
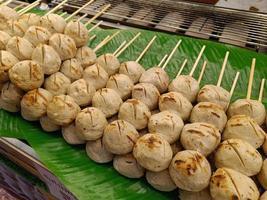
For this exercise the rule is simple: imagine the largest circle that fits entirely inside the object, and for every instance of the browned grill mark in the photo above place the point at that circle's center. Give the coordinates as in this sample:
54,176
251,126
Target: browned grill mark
130,139
236,188
119,127
115,81
197,132
237,153
215,114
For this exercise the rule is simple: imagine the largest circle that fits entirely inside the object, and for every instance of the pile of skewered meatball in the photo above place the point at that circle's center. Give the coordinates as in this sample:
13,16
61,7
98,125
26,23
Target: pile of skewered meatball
172,132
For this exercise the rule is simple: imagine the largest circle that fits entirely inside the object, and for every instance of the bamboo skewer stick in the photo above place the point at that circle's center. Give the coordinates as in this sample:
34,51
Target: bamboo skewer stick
223,69
202,72
97,15
162,60
145,49
92,37
182,68
251,76
261,90
171,54
29,7
95,26
6,3
106,41
18,6
77,11
197,61
56,8
234,84
119,48
82,17
101,43
63,14
128,44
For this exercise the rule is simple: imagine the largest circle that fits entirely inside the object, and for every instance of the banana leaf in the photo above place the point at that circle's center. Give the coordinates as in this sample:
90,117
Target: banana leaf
88,180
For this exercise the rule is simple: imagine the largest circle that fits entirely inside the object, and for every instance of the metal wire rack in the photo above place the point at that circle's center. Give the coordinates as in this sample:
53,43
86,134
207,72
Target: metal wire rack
241,28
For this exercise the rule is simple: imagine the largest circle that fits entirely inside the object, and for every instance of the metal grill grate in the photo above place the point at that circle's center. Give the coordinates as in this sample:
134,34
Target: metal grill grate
241,28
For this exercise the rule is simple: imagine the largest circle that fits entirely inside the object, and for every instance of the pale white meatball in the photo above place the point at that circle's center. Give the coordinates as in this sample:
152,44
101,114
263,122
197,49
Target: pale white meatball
122,84
62,110
57,83
96,75
214,94
53,23
70,135
209,113
82,92
97,152
127,166
135,112
34,104
161,180
77,31
72,69
153,152
245,128
201,195
31,19
37,35
168,124
27,75
108,101
156,76
120,137
11,93
9,106
64,46
48,125
47,58
190,171
262,176
201,137
229,184
20,47
16,27
132,69
86,56
109,62
90,123
177,103
238,155
147,93
186,85
7,60
7,13
4,38
251,108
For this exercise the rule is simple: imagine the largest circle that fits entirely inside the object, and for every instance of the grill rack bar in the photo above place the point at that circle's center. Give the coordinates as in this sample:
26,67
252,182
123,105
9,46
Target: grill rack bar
251,29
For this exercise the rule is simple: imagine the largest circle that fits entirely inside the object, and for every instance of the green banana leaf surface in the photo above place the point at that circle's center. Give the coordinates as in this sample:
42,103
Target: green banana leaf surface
88,180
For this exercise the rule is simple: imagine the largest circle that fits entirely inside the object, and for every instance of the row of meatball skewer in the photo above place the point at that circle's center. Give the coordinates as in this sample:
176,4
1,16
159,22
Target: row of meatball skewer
189,169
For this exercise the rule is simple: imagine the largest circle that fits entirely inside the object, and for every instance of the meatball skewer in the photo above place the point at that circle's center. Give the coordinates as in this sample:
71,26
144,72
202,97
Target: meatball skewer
122,83
158,76
215,93
110,62
252,108
211,113
186,84
78,30
245,128
176,102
